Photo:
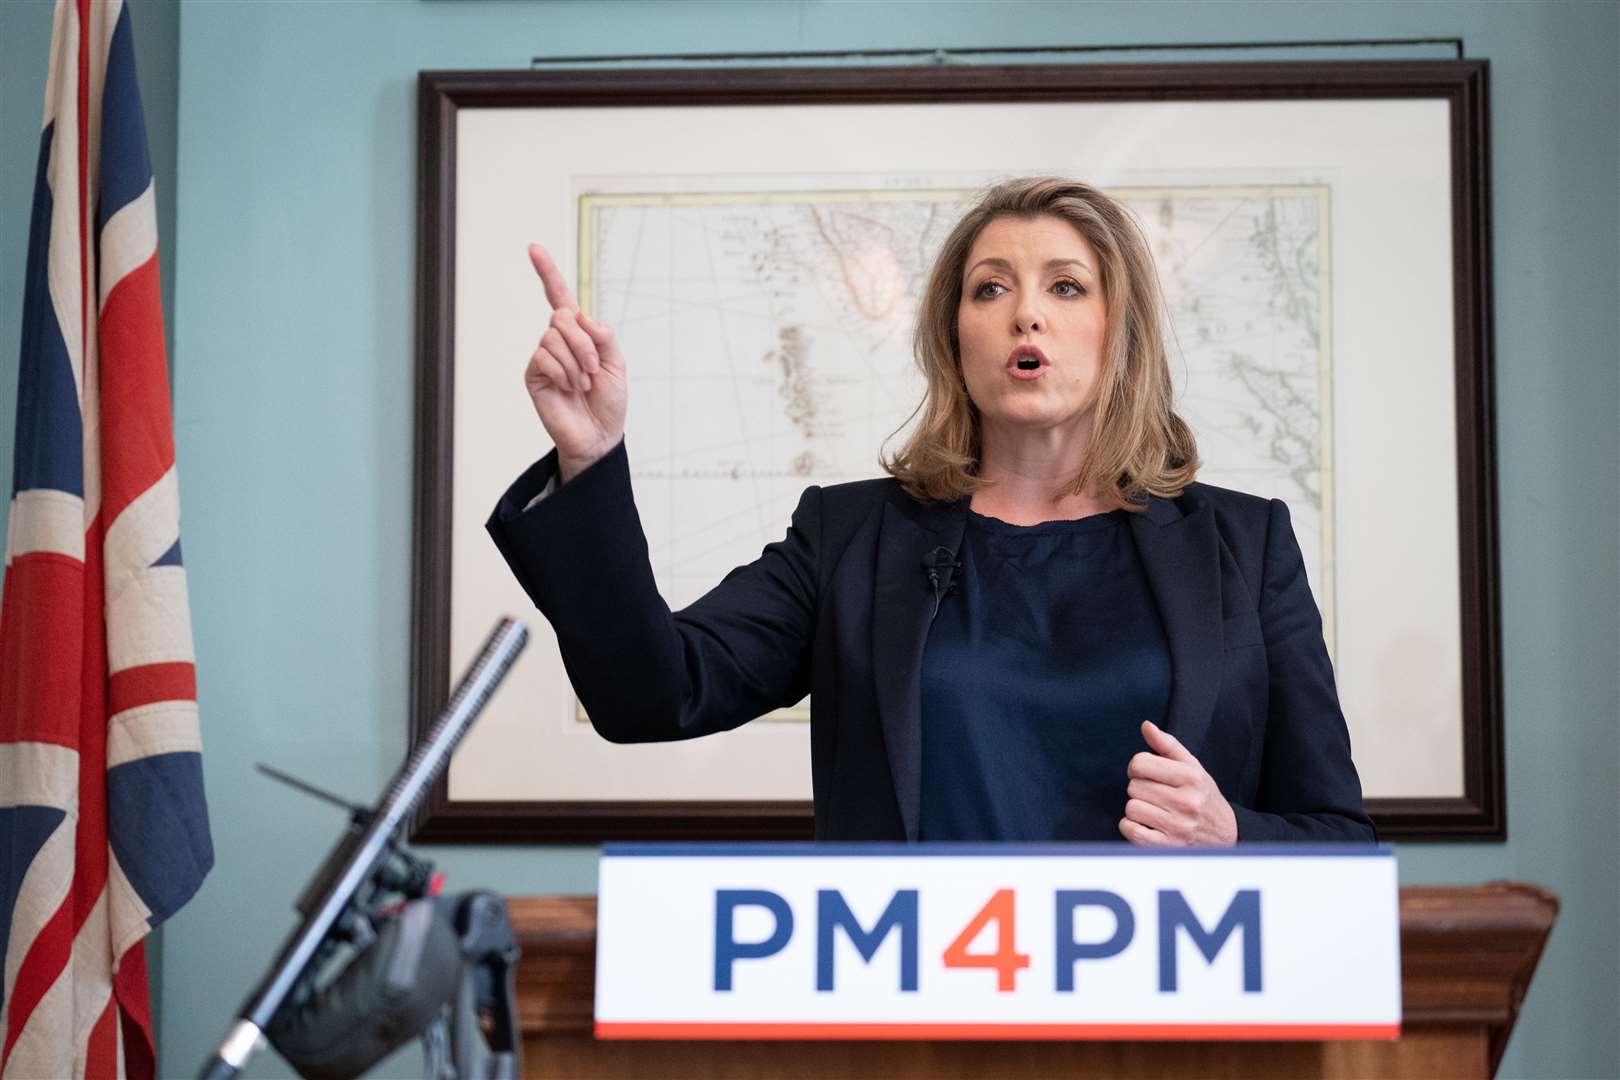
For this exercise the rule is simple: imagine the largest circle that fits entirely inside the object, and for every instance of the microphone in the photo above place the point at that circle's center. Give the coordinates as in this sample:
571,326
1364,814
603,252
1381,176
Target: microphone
941,566
355,873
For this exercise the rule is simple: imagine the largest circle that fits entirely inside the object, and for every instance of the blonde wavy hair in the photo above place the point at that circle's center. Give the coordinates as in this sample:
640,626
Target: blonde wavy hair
1139,445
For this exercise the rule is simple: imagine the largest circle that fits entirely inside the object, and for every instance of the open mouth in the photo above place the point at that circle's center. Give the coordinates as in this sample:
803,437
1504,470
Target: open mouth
1026,362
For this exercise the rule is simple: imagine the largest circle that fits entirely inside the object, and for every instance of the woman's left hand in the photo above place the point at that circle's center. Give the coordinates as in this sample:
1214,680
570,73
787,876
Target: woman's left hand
1171,799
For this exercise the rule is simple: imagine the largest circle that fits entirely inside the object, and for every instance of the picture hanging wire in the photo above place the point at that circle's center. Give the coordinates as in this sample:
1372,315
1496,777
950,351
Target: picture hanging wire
946,56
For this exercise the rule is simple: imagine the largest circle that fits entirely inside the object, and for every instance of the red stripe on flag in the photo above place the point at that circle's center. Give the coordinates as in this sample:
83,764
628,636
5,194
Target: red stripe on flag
130,988
137,431
90,836
41,612
101,1050
136,686
45,960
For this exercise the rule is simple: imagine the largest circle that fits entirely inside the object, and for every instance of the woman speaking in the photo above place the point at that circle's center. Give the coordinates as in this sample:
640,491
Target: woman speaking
1038,627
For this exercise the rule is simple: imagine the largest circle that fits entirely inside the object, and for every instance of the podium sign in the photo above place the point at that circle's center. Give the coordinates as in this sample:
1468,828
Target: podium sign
925,941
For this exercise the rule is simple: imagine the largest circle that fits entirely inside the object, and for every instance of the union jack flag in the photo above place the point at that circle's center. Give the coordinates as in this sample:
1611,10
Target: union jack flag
103,828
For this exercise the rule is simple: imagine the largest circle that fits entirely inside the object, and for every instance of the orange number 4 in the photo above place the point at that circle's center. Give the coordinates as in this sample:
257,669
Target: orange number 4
1006,960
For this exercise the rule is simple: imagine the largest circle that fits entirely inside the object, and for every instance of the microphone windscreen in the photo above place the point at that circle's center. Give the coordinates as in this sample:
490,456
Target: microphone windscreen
387,995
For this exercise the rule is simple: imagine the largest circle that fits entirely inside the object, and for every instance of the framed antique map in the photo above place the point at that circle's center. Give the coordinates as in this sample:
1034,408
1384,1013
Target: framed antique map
759,239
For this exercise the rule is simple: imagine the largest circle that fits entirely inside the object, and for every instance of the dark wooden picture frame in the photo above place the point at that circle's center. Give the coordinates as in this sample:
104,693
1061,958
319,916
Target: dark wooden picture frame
1478,815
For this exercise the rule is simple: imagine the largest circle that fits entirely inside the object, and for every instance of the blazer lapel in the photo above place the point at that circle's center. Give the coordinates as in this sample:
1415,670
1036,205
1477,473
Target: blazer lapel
1181,557
902,607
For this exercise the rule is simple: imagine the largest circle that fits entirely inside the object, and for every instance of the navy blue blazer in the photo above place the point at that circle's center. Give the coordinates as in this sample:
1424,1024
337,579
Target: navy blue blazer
840,608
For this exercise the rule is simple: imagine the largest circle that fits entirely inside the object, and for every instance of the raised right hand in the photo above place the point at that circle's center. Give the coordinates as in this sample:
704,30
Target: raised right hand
576,377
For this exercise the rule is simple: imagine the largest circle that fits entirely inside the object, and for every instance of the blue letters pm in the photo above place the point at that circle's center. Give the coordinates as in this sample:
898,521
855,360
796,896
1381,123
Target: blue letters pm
727,948
1174,912
1069,951
833,912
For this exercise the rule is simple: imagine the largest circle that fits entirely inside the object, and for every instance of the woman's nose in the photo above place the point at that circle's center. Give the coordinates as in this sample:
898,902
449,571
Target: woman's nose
1027,320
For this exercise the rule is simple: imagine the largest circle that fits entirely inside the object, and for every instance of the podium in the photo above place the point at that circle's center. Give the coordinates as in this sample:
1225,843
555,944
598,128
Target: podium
1467,956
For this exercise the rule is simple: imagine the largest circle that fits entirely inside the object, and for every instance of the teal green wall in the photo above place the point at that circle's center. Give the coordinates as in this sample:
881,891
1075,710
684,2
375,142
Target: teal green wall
293,345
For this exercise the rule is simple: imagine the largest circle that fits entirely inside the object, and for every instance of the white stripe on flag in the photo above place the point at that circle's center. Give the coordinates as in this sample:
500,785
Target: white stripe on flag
131,918
39,774
128,240
148,621
146,529
163,727
92,978
62,174
63,22
45,520
122,1068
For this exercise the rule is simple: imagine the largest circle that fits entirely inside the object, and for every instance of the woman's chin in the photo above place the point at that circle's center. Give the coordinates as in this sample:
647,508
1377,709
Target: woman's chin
1031,412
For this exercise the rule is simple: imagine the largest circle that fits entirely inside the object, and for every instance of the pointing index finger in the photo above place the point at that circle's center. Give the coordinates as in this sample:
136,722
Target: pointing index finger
558,295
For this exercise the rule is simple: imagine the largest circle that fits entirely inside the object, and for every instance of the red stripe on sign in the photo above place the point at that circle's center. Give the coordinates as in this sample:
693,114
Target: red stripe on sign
137,439
149,683
1099,1032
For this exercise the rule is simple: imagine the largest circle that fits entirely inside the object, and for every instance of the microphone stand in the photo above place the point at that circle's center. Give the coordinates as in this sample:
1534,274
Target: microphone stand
362,856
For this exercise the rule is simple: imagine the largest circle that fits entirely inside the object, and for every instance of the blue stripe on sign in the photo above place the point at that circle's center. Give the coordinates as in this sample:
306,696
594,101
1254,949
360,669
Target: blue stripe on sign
23,831
170,557
126,169
767,850
157,823
50,437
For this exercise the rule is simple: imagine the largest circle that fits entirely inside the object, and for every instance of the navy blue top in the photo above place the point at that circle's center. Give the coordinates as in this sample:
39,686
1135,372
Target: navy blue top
1040,668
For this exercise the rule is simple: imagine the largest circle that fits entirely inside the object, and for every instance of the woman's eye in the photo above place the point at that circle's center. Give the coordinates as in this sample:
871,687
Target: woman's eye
1074,288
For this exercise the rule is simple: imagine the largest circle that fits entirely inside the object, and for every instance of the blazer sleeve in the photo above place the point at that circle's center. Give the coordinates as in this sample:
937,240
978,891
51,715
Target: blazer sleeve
1308,790
644,673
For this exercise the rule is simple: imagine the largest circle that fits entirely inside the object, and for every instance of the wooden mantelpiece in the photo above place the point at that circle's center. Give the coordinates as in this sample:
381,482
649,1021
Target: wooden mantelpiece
1467,955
